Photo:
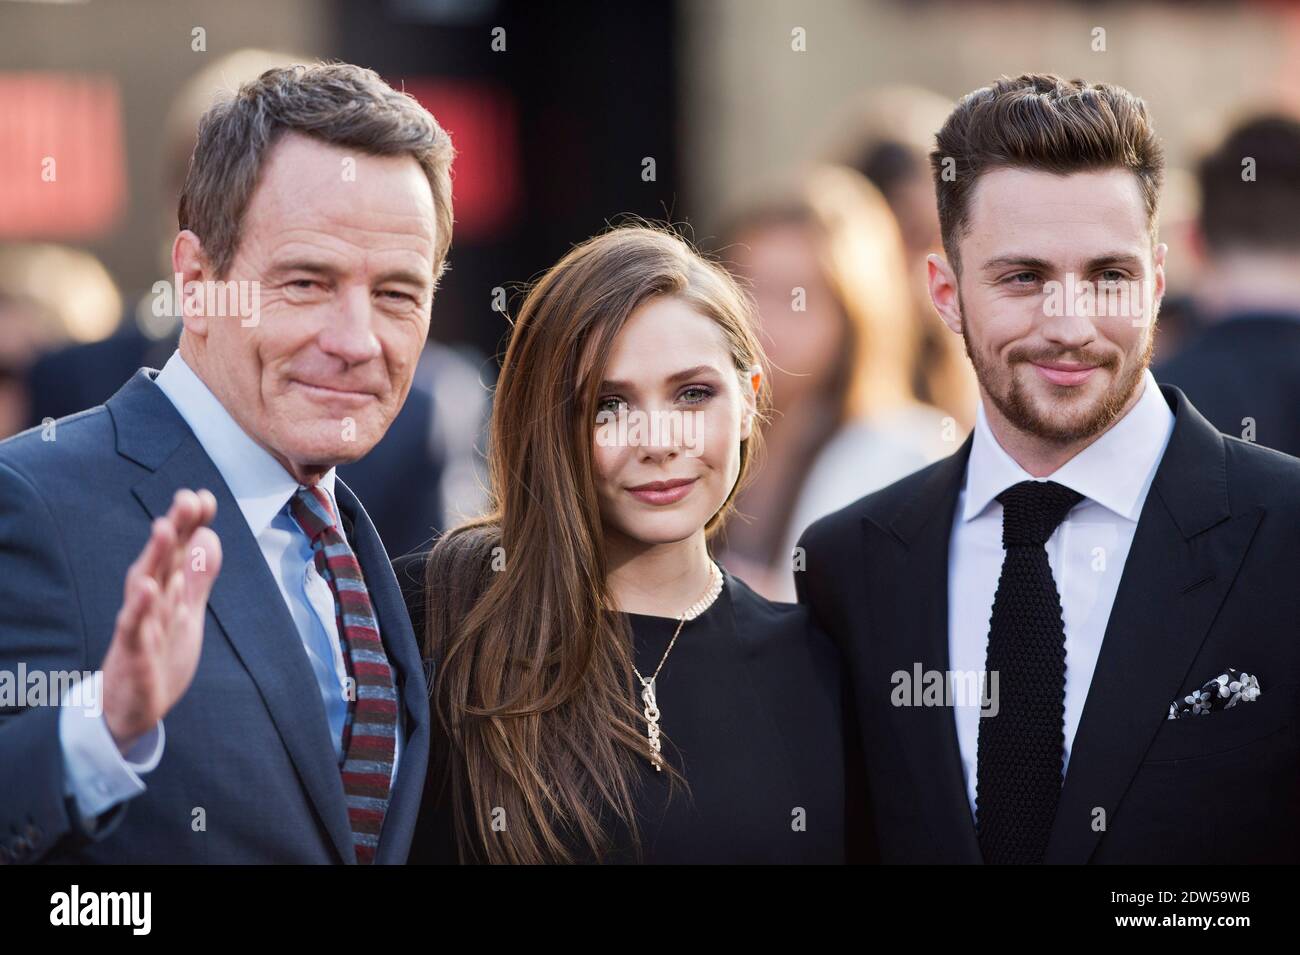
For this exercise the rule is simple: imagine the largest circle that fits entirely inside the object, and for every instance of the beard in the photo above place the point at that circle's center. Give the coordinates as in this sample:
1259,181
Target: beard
1062,423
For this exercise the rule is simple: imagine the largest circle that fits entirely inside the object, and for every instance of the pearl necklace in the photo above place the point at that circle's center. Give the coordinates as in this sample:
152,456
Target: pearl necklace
651,710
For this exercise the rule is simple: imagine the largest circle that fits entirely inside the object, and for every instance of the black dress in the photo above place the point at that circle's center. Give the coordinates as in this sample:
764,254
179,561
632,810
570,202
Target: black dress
751,714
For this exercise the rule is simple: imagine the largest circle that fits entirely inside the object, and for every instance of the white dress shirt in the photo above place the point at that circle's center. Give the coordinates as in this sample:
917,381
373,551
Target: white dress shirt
1086,553
95,773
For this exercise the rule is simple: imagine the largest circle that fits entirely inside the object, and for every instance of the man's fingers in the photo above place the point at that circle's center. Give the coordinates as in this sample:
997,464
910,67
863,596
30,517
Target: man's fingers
208,507
135,604
175,594
202,566
172,599
142,599
185,512
192,558
154,557
150,631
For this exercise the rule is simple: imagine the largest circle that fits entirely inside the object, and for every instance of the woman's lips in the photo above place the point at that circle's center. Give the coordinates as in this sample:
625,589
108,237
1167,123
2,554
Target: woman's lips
1065,374
661,493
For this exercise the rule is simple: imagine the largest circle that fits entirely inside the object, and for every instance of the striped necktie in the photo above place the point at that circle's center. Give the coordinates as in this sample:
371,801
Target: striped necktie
370,728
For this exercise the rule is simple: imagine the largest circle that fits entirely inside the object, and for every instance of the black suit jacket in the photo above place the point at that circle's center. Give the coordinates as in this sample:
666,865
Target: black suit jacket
1210,583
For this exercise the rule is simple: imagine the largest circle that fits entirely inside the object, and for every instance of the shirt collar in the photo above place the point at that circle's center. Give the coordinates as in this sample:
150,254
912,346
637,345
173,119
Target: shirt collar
260,484
1116,470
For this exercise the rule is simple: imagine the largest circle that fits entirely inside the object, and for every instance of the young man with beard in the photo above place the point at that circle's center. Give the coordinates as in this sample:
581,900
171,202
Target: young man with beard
1112,576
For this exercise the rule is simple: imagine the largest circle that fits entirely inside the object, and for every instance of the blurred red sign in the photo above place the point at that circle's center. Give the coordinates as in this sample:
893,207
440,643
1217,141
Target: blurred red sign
62,168
482,121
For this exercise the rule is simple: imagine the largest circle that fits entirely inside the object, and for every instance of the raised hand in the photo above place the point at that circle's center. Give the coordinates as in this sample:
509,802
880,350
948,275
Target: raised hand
159,630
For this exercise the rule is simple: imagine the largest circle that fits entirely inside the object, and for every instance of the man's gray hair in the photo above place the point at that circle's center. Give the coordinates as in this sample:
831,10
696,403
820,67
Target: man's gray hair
337,103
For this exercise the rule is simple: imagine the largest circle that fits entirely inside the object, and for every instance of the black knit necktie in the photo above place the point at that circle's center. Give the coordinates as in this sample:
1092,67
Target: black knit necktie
1021,749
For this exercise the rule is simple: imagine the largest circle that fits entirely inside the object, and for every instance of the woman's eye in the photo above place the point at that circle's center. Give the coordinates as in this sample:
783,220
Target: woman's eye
609,406
695,394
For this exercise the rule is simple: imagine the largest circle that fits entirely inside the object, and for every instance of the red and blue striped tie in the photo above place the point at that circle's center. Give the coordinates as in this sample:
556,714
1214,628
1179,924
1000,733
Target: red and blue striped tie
370,728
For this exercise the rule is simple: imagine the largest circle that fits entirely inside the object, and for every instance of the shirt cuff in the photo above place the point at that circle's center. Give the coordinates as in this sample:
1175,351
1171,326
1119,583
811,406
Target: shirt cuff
95,773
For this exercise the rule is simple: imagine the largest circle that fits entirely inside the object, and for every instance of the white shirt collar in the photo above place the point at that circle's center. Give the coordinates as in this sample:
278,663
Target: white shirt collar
260,484
1116,470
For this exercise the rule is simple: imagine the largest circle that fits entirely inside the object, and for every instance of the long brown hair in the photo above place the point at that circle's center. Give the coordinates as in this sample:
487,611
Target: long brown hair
860,257
860,251
533,687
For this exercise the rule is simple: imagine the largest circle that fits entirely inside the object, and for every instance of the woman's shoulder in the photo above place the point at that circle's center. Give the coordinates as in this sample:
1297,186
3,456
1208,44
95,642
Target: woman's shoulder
450,575
410,571
784,637
745,598
757,615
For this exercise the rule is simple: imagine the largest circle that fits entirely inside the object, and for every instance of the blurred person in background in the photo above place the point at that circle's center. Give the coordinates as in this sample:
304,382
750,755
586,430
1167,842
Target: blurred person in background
460,380
826,266
887,135
49,295
87,373
400,479
1180,318
1243,370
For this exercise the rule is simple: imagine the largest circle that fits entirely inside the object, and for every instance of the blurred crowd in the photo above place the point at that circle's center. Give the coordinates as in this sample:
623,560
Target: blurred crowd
867,383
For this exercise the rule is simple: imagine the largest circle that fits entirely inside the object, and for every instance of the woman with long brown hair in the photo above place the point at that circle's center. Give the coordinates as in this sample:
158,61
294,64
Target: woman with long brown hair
826,265
604,691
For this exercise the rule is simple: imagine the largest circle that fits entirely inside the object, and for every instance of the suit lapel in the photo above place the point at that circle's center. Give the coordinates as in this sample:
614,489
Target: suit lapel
1186,551
245,600
913,611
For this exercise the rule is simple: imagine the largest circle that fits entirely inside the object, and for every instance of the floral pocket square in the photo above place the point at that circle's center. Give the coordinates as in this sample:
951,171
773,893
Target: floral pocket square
1223,692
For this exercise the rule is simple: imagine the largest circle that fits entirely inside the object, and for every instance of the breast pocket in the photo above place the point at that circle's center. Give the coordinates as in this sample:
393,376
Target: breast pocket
1220,732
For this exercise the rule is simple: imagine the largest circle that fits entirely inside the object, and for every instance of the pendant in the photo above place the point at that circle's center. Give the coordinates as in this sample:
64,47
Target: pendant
651,714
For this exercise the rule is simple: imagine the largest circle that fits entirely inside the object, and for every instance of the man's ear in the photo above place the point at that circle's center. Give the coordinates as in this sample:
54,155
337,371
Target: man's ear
1155,287
749,395
190,264
1158,260
943,290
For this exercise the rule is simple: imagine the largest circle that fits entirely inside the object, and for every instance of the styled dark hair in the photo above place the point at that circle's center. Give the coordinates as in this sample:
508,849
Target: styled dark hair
1040,121
1262,212
337,103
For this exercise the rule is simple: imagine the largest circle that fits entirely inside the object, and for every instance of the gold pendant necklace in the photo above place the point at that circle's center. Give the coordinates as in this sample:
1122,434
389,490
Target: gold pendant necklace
651,708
